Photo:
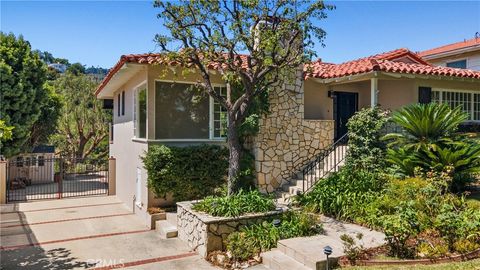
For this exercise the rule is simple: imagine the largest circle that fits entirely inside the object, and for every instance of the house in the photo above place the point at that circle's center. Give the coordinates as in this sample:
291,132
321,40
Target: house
32,166
464,54
58,67
152,105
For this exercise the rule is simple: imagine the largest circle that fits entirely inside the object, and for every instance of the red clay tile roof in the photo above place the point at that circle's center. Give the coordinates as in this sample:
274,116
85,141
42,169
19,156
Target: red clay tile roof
384,62
451,47
387,62
150,58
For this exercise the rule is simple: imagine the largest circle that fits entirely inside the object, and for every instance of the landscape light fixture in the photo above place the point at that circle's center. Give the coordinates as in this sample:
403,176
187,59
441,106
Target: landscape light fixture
276,222
327,251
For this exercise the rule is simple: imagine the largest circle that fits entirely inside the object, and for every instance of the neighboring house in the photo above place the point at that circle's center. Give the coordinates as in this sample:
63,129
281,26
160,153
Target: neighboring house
153,105
59,67
464,54
31,166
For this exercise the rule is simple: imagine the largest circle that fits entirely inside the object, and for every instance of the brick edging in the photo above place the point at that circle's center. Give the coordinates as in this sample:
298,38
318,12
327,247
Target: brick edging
65,220
58,208
69,239
146,261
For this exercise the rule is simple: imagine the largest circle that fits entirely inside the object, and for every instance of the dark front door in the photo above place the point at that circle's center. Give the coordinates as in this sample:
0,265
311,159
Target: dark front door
346,104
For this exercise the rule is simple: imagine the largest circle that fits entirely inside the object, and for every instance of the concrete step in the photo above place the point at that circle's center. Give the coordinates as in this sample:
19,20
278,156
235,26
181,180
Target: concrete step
277,260
172,217
308,251
166,229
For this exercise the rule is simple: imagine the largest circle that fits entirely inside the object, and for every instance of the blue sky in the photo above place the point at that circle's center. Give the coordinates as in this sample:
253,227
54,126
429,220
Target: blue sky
98,32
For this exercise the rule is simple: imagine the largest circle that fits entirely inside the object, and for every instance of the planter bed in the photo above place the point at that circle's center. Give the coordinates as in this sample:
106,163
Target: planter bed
205,233
454,258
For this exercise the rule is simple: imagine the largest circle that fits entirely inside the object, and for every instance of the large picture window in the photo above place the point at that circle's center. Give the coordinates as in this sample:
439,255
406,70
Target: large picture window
184,112
180,112
140,112
469,101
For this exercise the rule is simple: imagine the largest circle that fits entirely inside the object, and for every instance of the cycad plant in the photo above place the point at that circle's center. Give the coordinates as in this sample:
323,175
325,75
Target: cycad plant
426,125
429,142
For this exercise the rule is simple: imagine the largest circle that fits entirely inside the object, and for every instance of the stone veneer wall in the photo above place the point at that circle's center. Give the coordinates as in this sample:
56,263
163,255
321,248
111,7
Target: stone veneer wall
205,233
286,141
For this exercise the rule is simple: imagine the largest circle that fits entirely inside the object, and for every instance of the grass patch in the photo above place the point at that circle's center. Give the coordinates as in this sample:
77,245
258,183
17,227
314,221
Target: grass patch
244,202
473,264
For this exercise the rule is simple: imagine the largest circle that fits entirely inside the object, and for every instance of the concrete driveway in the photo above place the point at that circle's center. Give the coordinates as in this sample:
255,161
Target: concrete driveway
86,233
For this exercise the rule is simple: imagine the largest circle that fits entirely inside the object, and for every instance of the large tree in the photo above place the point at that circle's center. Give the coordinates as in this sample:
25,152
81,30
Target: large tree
22,92
82,128
276,36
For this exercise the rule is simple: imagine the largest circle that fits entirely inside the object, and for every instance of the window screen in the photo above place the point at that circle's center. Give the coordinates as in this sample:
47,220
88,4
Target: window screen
181,112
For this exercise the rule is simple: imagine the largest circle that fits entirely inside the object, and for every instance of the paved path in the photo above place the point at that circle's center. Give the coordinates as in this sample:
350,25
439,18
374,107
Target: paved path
86,233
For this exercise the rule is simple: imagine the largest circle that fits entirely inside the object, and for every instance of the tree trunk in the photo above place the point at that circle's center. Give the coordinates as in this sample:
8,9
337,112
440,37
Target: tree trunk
235,149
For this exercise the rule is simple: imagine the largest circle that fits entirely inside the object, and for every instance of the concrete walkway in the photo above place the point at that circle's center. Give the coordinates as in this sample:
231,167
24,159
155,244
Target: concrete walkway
307,252
86,233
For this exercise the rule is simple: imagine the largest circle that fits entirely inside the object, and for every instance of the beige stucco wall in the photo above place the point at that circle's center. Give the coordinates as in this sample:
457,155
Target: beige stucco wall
392,93
319,106
127,151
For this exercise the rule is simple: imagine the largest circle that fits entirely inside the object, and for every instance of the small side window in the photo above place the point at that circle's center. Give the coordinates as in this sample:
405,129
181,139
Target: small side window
19,162
123,102
27,162
118,105
458,64
34,161
41,161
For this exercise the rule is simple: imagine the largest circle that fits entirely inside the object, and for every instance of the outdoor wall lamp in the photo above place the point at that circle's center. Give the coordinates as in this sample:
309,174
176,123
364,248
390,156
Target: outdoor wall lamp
331,94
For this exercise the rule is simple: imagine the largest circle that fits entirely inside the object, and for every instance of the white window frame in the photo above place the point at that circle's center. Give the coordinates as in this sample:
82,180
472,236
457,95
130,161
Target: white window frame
210,120
472,99
142,85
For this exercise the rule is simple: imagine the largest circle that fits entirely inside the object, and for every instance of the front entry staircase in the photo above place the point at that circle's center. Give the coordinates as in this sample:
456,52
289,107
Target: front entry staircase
329,160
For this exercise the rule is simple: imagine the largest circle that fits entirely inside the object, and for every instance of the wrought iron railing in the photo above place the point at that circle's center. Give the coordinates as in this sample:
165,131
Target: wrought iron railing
328,161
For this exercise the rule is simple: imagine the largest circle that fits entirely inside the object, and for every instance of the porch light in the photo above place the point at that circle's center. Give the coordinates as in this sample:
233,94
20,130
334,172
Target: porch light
327,251
331,93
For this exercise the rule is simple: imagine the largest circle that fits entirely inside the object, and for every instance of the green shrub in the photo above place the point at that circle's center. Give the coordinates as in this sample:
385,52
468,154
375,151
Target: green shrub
253,239
431,251
344,194
366,150
235,205
465,246
186,172
351,248
400,227
430,142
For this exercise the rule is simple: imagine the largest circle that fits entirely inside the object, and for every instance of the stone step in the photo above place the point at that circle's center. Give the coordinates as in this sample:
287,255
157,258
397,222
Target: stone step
172,217
308,251
277,260
166,229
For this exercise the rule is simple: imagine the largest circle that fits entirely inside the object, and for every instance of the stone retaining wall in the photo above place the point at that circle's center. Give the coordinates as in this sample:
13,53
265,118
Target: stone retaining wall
205,233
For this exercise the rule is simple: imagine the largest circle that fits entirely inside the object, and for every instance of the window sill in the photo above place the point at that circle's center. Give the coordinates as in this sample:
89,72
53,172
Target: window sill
140,140
177,140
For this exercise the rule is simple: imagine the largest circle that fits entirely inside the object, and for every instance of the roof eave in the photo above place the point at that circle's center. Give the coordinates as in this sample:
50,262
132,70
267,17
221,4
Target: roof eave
119,78
451,52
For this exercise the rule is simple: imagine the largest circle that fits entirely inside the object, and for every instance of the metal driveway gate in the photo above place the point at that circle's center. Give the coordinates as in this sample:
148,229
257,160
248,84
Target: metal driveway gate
33,178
